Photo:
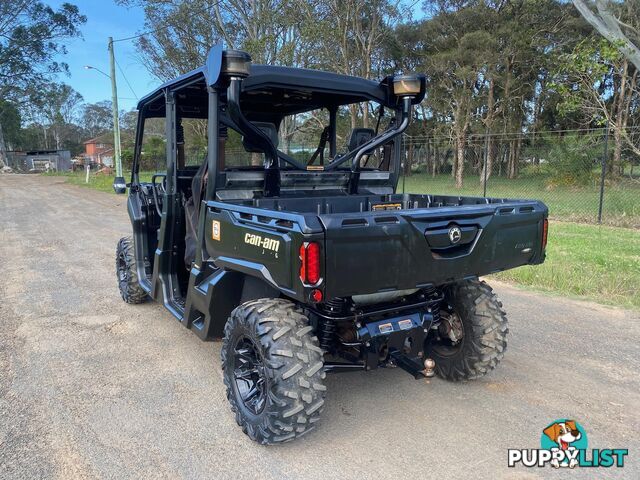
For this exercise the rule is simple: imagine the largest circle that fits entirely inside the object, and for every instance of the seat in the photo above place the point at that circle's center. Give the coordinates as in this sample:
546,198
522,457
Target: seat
358,137
192,213
269,129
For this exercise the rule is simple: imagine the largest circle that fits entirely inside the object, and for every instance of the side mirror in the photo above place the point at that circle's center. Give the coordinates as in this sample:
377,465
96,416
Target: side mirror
119,185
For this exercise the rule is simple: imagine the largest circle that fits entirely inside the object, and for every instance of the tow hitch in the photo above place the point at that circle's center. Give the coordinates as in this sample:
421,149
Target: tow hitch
414,366
398,342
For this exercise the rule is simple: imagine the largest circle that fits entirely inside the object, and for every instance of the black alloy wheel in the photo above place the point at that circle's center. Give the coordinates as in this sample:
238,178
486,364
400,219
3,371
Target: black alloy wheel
249,375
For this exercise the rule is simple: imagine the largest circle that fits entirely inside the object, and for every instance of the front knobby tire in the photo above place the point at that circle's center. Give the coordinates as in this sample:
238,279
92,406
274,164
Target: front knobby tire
484,332
273,370
127,274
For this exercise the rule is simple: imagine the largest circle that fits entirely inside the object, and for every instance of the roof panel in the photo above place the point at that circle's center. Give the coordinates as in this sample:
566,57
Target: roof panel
266,76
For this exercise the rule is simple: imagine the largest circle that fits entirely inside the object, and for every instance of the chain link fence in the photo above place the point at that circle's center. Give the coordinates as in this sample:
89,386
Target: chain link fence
582,176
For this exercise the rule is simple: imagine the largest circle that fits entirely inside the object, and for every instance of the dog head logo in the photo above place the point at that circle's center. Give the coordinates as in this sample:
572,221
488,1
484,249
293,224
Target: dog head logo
565,436
563,433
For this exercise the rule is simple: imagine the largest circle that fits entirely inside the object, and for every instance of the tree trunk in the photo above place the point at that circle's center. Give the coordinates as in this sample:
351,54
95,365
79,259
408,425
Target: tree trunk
514,155
460,148
436,159
488,158
454,164
619,120
365,115
409,158
353,110
3,150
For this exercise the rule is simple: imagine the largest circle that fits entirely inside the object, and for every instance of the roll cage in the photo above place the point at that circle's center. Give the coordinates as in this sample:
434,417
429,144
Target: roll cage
268,94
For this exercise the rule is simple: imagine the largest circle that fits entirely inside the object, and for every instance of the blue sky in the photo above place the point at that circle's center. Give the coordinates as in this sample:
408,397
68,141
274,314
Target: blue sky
104,19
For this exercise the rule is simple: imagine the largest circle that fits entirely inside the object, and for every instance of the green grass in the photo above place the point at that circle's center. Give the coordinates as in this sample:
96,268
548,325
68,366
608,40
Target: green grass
621,199
103,183
598,263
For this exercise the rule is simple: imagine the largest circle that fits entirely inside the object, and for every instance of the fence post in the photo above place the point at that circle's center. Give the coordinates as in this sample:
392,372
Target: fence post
486,163
604,172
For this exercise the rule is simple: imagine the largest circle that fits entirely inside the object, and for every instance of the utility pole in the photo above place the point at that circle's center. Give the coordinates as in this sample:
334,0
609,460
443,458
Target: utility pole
114,103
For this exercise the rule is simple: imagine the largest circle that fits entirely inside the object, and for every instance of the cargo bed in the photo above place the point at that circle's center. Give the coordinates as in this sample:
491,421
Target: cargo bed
379,243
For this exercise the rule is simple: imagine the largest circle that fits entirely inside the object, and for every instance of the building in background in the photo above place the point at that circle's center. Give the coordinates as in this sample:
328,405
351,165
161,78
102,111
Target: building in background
99,150
40,160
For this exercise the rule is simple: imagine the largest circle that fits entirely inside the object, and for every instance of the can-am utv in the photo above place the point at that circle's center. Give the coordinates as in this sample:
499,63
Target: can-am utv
307,263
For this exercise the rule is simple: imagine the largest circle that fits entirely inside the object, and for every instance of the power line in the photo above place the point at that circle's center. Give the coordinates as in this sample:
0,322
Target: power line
126,80
158,29
141,34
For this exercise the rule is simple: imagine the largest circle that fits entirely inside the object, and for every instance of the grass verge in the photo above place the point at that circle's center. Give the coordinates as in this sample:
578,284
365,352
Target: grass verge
592,262
103,183
621,205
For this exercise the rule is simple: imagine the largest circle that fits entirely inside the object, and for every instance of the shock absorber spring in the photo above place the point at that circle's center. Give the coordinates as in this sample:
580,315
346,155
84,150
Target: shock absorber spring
327,328
327,334
435,305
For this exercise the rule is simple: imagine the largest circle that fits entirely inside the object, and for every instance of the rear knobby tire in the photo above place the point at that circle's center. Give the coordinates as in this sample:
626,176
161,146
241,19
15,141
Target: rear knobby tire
127,274
291,368
485,330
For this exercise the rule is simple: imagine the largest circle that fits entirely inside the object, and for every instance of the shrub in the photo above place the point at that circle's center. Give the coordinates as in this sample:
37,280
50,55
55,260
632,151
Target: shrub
573,161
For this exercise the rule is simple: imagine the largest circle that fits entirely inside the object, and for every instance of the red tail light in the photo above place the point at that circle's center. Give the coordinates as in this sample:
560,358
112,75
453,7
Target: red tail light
545,232
310,263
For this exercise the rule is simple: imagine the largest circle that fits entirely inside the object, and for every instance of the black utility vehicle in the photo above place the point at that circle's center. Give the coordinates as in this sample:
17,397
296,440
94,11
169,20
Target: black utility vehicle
311,264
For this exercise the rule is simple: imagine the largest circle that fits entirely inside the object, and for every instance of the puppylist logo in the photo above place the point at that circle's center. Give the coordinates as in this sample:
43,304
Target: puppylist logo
564,445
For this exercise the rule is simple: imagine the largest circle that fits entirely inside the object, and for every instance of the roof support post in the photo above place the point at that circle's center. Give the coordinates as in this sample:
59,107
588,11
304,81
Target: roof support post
170,133
212,143
333,120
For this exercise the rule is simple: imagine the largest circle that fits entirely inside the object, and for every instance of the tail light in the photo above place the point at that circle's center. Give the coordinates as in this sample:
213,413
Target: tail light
545,232
310,263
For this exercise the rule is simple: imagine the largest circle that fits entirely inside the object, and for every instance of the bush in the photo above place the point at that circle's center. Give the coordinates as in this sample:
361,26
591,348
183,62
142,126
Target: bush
573,161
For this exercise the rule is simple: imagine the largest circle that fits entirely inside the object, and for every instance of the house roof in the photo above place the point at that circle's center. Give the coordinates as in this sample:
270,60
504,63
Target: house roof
106,137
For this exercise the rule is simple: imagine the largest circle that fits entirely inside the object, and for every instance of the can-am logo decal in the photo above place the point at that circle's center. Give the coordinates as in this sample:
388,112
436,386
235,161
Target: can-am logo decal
215,230
564,445
455,234
260,241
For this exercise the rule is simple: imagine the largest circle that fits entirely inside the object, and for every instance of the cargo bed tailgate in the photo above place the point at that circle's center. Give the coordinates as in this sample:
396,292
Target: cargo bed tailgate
388,250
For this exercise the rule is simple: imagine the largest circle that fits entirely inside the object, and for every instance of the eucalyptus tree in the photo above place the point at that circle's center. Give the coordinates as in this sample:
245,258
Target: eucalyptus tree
625,36
179,33
32,36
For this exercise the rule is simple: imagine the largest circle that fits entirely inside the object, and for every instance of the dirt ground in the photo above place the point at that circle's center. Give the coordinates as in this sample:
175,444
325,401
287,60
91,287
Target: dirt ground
93,388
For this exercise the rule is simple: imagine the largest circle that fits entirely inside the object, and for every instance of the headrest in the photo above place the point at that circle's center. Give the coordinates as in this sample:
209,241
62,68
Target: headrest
268,128
359,136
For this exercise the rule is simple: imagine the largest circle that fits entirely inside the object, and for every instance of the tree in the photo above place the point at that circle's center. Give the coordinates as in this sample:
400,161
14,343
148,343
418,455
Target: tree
10,120
31,39
57,106
348,36
97,117
610,27
596,80
267,29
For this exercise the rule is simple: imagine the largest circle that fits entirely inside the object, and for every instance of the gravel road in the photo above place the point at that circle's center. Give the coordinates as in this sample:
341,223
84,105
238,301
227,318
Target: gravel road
93,388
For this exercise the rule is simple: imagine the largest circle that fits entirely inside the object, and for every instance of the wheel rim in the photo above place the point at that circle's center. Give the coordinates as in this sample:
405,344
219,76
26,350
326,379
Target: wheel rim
122,271
249,375
449,336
